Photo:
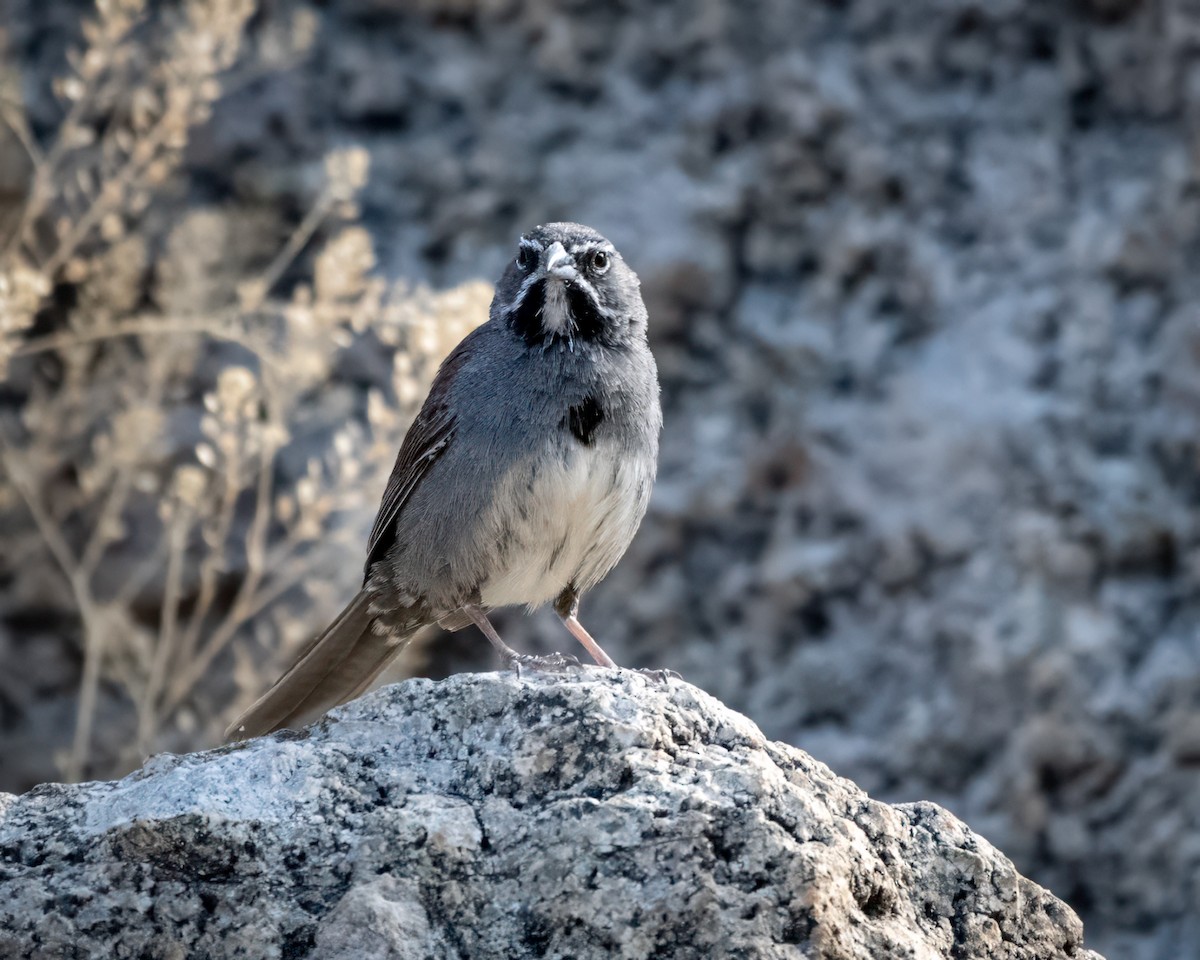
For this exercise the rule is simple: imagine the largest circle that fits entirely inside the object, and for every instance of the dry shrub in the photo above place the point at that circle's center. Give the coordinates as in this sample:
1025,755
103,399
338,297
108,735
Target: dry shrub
164,388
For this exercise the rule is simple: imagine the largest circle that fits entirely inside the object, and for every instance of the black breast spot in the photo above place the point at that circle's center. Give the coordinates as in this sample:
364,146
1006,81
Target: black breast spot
583,419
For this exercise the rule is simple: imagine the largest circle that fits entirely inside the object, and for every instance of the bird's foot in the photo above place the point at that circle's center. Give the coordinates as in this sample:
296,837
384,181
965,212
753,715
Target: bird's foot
549,663
661,675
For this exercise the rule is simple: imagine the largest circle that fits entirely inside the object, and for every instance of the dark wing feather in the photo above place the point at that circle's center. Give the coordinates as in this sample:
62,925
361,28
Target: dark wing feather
426,441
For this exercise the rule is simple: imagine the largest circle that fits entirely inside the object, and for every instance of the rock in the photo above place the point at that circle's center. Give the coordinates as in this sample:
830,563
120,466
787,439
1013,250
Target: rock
494,816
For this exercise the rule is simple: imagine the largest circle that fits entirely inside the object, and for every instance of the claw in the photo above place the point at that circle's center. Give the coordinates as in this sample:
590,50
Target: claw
661,675
550,663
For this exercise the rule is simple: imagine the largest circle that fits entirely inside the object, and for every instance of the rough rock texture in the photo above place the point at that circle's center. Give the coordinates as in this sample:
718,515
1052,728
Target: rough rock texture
924,295
491,816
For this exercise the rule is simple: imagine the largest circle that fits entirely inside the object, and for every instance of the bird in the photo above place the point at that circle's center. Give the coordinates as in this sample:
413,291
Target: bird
521,481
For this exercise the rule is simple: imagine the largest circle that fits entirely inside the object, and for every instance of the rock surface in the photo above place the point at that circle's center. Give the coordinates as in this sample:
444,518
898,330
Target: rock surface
494,816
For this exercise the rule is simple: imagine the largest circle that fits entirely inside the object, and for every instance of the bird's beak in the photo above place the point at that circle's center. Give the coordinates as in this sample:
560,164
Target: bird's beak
557,263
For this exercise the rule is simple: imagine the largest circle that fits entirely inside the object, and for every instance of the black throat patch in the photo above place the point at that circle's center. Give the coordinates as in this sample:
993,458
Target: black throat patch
526,320
586,321
589,324
583,419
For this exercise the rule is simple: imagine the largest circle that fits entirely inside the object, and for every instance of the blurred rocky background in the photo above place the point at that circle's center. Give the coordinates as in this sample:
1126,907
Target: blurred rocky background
923,289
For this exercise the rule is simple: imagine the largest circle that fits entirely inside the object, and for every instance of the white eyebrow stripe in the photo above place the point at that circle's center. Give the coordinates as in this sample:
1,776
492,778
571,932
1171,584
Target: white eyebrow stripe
585,245
531,244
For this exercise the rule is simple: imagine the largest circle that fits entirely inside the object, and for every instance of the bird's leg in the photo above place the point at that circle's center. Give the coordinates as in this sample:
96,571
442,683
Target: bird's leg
589,644
567,608
510,656
507,653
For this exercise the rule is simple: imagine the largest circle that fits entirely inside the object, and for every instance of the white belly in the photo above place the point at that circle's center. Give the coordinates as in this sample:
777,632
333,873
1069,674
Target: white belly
568,522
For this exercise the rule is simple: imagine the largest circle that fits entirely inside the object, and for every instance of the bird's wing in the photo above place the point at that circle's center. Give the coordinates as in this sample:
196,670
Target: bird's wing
426,441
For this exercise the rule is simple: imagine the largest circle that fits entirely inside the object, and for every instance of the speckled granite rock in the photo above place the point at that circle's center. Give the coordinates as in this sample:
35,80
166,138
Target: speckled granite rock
491,816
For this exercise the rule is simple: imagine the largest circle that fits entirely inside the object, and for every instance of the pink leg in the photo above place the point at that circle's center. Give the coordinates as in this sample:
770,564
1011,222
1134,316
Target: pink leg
591,646
507,653
552,662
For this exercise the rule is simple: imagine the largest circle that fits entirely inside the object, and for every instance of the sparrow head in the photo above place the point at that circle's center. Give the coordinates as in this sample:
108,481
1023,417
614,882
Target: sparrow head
566,283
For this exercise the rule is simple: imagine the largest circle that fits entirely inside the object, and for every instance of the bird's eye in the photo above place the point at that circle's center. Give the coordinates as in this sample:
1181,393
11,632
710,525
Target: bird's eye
601,261
526,259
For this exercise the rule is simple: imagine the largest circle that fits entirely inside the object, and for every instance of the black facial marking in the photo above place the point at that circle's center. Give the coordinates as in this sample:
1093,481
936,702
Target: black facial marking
589,324
583,419
526,320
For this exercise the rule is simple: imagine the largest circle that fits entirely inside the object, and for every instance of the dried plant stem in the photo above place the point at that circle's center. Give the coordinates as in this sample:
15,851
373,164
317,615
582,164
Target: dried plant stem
93,634
299,569
168,622
47,526
93,656
46,173
131,368
111,194
110,513
122,485
194,664
210,567
40,191
15,122
295,243
219,328
243,605
257,538
142,574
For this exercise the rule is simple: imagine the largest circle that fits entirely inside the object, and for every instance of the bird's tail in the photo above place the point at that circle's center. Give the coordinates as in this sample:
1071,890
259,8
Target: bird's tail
334,667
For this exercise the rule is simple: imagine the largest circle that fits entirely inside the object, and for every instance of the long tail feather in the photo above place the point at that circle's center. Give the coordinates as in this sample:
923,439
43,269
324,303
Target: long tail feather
334,667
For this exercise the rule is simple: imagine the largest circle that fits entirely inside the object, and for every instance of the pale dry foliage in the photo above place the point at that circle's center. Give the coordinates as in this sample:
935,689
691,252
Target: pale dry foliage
141,485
